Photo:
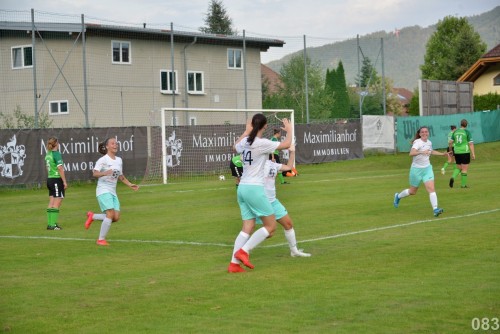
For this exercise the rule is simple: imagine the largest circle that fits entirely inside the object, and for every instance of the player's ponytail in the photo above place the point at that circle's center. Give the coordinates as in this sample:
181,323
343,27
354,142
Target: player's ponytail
102,147
258,122
51,143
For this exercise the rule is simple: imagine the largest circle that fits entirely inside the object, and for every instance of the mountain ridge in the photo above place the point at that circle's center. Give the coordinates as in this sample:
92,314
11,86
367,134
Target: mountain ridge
403,50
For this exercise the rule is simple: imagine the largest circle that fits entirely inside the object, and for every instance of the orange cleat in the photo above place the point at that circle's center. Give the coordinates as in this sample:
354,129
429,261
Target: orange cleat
89,220
244,257
102,243
235,268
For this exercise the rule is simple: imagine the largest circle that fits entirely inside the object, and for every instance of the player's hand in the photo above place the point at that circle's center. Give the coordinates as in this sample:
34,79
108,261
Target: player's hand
134,187
287,126
292,148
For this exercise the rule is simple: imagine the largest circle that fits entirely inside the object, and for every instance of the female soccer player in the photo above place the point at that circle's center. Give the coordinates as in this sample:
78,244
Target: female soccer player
421,169
271,170
108,169
56,182
463,146
252,199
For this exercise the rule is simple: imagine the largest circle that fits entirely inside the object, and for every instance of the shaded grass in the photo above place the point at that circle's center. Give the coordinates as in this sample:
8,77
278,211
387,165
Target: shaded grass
427,276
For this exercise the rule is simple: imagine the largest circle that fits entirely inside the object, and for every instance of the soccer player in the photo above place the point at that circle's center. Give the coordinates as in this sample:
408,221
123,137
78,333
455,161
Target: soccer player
236,166
463,145
421,170
56,182
108,169
276,154
271,169
252,199
448,149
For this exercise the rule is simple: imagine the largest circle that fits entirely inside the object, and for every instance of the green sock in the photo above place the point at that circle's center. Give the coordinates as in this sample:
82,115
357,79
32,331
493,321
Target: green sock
280,176
464,179
456,171
445,165
49,216
55,215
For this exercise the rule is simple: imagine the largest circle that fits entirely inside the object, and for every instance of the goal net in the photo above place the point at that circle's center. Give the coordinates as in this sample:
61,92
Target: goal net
189,144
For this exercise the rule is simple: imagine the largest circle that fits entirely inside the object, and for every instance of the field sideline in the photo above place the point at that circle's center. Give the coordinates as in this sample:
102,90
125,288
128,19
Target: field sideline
374,268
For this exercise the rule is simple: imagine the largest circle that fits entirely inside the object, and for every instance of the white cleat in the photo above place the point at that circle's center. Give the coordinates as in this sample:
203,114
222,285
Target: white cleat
443,171
299,253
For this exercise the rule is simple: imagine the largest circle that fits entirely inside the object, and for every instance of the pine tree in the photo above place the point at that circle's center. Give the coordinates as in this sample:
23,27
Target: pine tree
341,106
217,21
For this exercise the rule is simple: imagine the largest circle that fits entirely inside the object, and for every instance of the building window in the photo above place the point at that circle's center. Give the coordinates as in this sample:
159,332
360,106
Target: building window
168,82
58,108
195,82
496,80
22,56
234,59
121,52
192,120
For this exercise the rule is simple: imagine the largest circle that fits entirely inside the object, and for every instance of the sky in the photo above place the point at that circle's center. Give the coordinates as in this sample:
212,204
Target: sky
282,19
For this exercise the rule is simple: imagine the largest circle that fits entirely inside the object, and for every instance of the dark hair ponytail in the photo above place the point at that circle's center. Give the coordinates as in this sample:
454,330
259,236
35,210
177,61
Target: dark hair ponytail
102,147
258,122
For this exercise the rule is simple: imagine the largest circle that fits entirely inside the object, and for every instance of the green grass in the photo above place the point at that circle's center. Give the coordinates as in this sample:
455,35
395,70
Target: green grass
374,268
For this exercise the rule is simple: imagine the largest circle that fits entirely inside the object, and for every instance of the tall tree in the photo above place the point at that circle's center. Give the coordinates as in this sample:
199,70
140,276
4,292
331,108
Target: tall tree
292,94
451,50
368,75
217,21
341,108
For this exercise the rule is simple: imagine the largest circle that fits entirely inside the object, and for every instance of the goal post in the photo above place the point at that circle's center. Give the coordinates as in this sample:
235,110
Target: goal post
188,144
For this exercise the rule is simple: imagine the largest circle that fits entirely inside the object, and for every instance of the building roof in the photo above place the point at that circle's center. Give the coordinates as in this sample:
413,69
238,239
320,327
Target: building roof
272,78
490,58
145,33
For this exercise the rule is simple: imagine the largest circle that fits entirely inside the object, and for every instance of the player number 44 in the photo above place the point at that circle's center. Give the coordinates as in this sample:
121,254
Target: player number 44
485,324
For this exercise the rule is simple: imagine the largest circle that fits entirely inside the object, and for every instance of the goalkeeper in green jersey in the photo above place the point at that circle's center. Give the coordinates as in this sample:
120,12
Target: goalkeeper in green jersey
451,155
463,146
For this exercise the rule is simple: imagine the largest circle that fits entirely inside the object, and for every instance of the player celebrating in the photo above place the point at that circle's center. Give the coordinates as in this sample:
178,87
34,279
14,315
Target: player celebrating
252,199
421,170
108,170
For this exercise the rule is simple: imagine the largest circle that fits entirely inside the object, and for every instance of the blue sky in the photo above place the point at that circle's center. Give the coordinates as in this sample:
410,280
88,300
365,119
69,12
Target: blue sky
332,19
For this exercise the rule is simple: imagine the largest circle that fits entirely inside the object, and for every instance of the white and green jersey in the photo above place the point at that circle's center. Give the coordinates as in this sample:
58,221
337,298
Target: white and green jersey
107,183
461,139
254,157
421,160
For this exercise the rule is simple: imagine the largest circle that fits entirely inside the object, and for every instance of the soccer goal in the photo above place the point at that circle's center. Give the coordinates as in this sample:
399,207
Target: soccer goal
189,144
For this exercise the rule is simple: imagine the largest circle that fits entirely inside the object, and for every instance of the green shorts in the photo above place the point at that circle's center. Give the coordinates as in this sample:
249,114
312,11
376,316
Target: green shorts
279,211
253,202
108,201
418,175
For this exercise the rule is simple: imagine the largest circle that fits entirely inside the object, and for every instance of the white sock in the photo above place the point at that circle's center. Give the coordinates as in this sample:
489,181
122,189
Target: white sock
434,200
98,216
404,193
260,235
290,237
105,226
241,239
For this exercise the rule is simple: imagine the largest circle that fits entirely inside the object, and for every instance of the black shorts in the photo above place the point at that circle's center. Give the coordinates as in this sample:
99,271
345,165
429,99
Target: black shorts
235,171
56,187
462,158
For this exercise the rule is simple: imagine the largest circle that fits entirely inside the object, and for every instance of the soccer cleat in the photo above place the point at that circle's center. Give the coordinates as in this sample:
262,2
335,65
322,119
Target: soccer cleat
235,268
54,228
452,180
443,171
244,257
299,253
396,200
89,220
102,242
438,211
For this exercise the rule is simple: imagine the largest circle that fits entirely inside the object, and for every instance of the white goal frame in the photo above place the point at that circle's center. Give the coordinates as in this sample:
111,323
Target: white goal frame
169,111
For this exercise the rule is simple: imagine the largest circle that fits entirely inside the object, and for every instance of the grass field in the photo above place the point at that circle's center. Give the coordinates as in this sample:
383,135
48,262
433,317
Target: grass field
374,268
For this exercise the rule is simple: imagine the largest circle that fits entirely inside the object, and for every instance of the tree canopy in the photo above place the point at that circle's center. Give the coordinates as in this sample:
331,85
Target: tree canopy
217,21
451,50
